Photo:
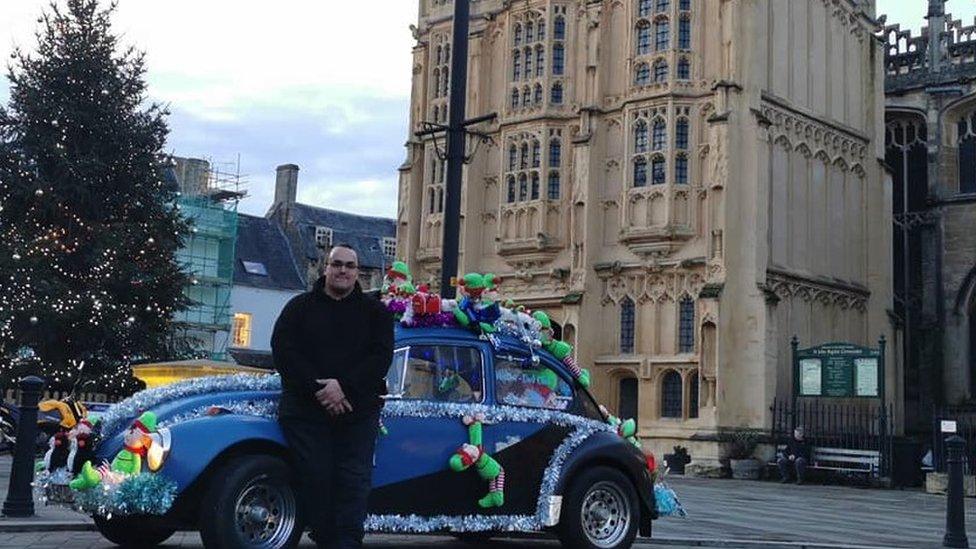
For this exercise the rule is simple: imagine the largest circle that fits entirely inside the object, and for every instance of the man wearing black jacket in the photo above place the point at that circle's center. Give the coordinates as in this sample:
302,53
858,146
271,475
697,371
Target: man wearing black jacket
333,346
796,457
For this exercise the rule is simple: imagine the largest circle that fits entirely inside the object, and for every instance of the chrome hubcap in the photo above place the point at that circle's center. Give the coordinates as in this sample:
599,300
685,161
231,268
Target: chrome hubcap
605,515
265,514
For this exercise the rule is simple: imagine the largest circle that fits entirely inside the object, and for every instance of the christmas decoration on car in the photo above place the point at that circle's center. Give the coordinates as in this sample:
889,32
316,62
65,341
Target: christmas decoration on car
473,453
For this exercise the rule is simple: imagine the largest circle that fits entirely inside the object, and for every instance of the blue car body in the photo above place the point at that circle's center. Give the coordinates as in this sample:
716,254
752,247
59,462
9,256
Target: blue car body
540,449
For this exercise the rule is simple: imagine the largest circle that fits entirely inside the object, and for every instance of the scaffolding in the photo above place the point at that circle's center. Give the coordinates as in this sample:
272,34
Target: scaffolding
208,200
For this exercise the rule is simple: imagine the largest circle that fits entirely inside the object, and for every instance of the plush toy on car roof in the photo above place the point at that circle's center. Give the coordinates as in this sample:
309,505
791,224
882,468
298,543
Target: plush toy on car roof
560,349
477,310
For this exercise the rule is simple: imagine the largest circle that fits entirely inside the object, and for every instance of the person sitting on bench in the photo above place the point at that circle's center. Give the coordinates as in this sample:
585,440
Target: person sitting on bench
796,457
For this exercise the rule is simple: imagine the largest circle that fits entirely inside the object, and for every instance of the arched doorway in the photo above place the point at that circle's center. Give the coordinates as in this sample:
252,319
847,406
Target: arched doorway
627,400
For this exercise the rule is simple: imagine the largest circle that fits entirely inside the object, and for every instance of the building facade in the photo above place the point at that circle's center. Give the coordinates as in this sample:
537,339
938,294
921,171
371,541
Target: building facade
682,184
930,145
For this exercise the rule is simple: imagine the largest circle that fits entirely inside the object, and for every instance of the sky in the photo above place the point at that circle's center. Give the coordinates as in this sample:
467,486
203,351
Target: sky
324,84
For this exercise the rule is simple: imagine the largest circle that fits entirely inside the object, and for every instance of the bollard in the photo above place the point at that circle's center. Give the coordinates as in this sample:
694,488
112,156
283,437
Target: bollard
20,499
955,535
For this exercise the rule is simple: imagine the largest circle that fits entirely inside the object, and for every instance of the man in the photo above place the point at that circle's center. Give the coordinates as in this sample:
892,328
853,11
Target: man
794,458
333,346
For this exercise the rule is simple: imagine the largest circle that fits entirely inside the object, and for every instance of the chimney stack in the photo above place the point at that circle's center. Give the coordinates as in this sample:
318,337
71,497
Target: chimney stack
286,185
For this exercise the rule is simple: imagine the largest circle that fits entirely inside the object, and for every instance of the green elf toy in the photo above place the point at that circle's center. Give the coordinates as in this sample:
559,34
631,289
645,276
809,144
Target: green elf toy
627,428
127,462
488,468
560,349
477,310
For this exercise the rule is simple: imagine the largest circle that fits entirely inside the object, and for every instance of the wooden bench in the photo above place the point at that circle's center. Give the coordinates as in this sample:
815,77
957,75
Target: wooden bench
842,460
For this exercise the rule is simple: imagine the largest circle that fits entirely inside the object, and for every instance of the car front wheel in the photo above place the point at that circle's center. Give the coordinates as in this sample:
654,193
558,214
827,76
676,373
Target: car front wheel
252,504
600,511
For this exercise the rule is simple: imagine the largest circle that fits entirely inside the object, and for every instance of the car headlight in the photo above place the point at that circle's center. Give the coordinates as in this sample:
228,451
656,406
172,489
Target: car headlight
162,441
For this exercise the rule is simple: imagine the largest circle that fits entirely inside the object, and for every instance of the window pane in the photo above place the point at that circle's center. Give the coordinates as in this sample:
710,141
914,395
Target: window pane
684,5
523,188
540,61
681,134
662,31
512,157
553,186
640,137
657,171
517,65
693,396
521,383
557,59
535,186
643,74
640,173
511,189
518,34
515,99
541,33
644,8
684,33
443,373
660,71
627,326
627,407
394,376
559,29
684,69
671,395
524,157
536,154
661,5
681,170
660,129
537,94
643,39
555,153
686,326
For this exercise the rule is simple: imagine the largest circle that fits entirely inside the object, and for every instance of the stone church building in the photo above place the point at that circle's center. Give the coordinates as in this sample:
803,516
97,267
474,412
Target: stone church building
683,184
930,145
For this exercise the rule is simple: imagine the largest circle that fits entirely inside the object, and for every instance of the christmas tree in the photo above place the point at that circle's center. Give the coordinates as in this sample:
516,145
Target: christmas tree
88,226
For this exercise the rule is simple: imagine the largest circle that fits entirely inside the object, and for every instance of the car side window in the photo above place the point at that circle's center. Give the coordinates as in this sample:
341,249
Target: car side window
446,373
520,382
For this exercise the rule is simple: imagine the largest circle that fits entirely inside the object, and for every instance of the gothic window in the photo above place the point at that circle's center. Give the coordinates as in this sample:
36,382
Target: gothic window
626,326
553,185
517,65
437,83
967,154
537,94
642,75
643,38
657,171
541,31
512,157
535,186
555,153
662,31
430,196
540,61
640,172
644,8
526,96
528,63
515,98
524,157
440,202
438,56
684,5
660,71
661,6
640,136
523,188
511,188
536,154
684,69
559,28
529,32
445,77
681,134
671,394
693,396
686,325
518,34
684,33
556,96
659,135
558,59
447,53
681,170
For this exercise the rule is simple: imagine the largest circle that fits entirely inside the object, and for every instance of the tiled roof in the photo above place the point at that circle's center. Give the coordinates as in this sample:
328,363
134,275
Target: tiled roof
364,233
261,241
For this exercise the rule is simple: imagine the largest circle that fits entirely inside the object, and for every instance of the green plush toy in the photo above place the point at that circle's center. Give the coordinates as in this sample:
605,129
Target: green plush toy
560,349
488,468
129,459
478,308
627,428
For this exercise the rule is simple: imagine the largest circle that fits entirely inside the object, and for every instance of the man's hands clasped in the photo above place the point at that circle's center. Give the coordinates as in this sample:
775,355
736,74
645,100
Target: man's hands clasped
332,398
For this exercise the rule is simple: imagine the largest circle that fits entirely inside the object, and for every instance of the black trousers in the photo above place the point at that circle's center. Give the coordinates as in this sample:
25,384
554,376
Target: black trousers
334,462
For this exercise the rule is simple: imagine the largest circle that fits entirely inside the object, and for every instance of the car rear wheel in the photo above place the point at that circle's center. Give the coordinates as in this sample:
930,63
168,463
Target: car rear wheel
132,531
600,511
252,504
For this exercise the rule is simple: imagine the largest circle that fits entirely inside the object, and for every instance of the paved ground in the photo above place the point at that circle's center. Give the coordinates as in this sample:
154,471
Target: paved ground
728,513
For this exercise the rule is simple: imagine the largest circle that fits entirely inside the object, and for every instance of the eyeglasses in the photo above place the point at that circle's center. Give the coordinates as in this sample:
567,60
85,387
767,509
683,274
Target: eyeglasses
351,265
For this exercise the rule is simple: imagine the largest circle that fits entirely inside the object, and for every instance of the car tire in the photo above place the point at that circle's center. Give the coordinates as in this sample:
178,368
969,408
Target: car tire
253,504
600,511
132,531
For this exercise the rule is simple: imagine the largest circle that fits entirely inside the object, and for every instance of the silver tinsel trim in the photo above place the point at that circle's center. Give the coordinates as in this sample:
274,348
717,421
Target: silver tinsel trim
493,414
119,415
266,408
468,523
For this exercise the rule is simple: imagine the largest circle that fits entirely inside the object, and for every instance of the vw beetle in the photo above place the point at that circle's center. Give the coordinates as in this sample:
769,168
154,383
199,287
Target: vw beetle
566,470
